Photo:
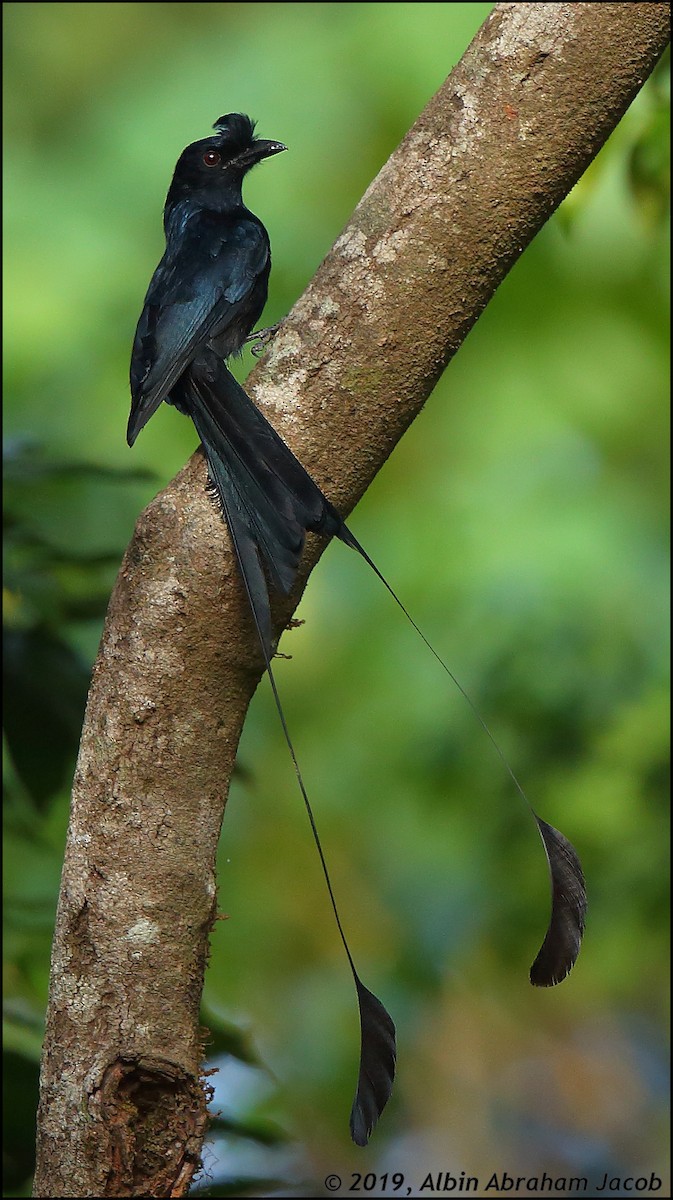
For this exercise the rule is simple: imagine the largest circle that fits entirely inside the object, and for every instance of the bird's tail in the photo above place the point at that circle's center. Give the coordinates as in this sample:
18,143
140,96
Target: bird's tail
270,501
254,473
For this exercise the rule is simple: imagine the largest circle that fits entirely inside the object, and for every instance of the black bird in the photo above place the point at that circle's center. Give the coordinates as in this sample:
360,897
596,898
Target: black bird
211,284
204,299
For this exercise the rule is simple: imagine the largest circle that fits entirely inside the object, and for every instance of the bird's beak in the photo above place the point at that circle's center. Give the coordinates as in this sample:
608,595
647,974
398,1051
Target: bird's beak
262,149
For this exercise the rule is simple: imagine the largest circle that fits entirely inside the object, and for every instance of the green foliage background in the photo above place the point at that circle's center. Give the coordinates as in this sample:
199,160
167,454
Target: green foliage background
523,522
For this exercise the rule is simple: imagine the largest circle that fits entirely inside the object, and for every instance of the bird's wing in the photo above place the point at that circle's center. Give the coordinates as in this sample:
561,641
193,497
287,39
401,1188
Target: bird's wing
199,288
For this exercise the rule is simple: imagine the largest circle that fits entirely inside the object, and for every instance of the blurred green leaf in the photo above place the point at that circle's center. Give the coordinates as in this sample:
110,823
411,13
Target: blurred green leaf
20,1088
256,1130
226,1038
44,694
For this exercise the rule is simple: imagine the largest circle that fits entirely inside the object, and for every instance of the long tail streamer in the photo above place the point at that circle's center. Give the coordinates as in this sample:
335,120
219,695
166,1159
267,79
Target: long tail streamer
269,502
563,938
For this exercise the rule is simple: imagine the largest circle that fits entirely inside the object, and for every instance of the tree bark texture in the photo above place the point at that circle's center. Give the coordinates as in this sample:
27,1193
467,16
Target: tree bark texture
123,1102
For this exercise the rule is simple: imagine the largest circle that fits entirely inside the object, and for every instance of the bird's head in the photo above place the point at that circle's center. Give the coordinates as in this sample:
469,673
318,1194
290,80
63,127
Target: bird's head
218,163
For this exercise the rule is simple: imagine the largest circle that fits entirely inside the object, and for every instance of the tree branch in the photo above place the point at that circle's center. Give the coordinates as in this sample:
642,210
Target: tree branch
538,91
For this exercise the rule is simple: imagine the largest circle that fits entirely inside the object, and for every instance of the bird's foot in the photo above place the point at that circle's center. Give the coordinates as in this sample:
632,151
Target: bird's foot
261,338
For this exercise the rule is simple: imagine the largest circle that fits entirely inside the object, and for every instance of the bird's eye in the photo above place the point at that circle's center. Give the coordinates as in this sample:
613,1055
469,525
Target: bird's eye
211,158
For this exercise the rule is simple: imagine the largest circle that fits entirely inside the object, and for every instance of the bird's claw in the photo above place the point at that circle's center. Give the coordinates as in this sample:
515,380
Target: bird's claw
261,338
